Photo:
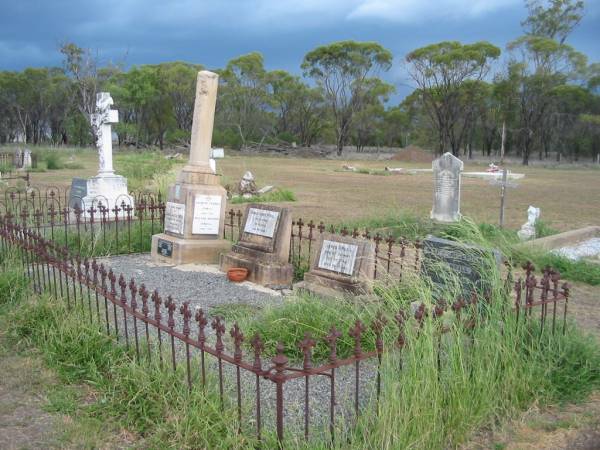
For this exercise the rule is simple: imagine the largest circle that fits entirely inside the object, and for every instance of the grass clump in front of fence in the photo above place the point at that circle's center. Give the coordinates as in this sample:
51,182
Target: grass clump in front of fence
151,402
278,195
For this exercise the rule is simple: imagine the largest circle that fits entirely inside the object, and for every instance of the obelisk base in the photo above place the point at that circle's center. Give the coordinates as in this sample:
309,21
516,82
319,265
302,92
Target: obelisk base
173,250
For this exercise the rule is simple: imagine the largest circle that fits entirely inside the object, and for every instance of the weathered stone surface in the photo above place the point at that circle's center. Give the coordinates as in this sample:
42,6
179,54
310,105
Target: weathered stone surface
264,246
466,263
340,264
446,188
527,231
196,203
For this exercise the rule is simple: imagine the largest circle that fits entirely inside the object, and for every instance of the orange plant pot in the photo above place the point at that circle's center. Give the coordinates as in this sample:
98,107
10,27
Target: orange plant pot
237,274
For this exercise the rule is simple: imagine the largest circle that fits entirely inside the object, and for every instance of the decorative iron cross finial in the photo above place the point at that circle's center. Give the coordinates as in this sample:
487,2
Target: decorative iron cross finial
258,346
356,332
202,322
219,328
157,301
133,290
186,312
306,346
331,339
171,307
238,338
144,294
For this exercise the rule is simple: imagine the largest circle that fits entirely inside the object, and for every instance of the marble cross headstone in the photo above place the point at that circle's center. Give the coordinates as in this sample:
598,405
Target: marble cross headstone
102,120
446,192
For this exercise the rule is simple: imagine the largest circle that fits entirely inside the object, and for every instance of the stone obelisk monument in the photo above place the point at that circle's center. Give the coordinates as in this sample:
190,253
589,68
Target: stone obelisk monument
195,209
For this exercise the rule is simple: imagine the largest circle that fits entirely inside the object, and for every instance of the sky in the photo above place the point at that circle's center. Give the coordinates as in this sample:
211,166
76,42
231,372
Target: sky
134,32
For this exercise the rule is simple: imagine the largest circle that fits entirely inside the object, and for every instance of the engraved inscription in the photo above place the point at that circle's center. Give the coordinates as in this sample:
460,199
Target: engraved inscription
174,217
261,222
338,257
207,214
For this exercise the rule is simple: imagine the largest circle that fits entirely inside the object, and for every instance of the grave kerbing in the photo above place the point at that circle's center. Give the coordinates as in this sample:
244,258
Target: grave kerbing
340,265
264,246
196,203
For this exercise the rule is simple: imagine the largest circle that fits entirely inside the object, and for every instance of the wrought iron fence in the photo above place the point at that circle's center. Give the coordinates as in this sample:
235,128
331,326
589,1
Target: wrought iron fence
99,229
152,327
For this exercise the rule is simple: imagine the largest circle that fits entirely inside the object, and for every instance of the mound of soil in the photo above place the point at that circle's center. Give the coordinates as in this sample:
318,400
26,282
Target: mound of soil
413,154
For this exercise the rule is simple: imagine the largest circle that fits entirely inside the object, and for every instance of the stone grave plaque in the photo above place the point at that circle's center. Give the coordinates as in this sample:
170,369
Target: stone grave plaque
261,222
338,257
174,217
207,214
165,248
465,261
78,191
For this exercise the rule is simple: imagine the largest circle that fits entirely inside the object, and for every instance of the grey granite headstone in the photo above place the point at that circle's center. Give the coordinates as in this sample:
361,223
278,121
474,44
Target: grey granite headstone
445,260
446,188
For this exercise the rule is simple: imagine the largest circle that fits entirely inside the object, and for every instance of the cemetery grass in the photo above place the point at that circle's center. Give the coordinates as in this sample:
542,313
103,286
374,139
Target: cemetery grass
504,370
565,195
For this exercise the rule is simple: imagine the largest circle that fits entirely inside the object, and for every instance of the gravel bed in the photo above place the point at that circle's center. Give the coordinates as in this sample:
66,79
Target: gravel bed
586,249
205,287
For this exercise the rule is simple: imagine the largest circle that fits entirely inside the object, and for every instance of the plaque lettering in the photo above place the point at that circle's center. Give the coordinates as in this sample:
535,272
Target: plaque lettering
174,217
261,222
338,257
207,214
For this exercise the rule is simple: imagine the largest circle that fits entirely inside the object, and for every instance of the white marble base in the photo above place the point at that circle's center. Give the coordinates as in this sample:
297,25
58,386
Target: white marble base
108,190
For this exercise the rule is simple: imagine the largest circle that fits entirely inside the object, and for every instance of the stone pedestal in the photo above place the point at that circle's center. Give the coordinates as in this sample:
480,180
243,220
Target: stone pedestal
264,247
196,204
108,190
340,266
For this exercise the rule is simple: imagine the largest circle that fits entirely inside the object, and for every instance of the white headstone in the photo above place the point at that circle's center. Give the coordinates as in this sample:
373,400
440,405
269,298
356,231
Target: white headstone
102,120
27,159
338,257
261,222
446,193
217,153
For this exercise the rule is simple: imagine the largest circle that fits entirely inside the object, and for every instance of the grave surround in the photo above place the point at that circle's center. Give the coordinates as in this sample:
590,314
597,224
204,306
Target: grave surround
340,265
264,246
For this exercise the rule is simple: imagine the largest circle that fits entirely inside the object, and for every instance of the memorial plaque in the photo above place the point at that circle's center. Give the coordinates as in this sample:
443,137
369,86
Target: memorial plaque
207,214
174,217
261,222
165,248
78,188
468,262
338,257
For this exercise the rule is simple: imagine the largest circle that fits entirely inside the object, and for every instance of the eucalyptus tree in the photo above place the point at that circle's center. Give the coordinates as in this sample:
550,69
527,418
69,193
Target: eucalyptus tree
440,71
343,71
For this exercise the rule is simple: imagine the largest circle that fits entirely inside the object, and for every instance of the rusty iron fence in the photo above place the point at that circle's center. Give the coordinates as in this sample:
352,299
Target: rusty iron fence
157,328
100,229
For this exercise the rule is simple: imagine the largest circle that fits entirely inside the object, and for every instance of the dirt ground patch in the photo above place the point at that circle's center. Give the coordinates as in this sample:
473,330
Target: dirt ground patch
324,192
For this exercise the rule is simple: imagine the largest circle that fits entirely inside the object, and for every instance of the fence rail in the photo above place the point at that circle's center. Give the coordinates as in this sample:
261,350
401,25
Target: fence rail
146,323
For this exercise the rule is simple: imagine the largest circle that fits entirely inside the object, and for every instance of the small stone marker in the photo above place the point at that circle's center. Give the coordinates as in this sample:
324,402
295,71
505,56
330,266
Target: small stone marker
340,265
446,192
264,246
217,153
466,262
18,159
